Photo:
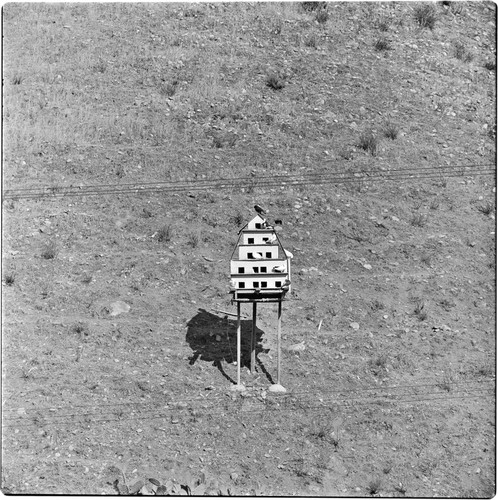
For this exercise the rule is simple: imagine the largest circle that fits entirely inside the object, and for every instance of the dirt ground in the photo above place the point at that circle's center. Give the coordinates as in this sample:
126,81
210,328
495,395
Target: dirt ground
118,355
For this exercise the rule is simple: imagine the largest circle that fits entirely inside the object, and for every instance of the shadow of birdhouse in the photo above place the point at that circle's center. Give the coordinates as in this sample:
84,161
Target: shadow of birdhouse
213,339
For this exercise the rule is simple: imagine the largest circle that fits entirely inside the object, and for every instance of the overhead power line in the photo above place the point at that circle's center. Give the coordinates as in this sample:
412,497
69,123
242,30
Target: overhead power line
331,177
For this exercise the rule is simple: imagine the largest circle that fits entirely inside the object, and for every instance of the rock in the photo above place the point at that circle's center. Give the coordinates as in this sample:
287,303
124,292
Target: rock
367,266
297,347
234,476
118,307
354,325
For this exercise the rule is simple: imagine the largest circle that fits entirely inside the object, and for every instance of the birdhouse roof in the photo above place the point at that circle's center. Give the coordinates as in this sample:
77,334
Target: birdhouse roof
257,220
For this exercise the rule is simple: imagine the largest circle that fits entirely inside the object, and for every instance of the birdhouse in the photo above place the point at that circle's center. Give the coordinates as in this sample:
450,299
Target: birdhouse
260,267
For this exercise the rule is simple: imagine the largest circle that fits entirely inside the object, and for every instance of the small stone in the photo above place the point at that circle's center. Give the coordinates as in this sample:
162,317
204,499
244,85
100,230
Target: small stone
367,266
354,325
234,476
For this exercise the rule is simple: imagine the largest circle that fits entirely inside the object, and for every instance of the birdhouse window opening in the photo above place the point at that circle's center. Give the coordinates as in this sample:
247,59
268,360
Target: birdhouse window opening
263,269
250,241
258,225
255,284
241,270
242,284
250,255
278,283
265,239
268,255
264,284
255,270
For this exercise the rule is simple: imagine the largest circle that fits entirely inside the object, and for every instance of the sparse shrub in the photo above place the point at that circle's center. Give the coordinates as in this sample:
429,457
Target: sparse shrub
418,220
100,66
276,28
461,52
80,329
49,250
384,25
274,82
426,259
487,208
169,89
382,44
322,16
420,311
376,305
434,205
378,363
490,65
87,278
322,429
193,239
456,7
446,304
311,41
237,219
391,131
312,6
425,16
9,279
446,383
17,79
374,486
368,142
165,234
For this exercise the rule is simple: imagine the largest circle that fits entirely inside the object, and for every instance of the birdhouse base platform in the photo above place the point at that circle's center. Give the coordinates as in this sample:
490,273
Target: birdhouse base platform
255,297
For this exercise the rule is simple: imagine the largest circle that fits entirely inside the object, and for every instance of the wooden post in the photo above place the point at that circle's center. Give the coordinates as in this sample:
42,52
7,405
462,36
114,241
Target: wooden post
279,333
253,337
238,386
278,387
238,343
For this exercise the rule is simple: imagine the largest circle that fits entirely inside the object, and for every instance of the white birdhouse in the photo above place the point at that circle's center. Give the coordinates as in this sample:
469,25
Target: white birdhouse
260,267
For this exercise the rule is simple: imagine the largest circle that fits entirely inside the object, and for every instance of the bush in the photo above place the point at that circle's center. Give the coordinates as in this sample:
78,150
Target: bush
490,65
391,131
461,52
49,251
322,16
368,142
382,44
312,6
425,16
274,82
165,234
9,279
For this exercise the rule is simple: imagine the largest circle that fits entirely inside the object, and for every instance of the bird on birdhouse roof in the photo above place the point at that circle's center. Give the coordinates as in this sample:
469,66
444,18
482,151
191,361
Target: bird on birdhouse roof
260,210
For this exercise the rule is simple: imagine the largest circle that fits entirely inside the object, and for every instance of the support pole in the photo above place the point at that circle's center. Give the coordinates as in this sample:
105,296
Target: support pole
278,387
279,334
253,337
238,386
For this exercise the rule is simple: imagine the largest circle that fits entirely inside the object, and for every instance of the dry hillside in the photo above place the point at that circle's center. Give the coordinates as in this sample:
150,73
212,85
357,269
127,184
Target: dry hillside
137,139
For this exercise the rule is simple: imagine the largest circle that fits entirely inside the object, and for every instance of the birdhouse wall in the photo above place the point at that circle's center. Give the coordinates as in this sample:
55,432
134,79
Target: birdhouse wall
256,267
261,282
252,252
257,238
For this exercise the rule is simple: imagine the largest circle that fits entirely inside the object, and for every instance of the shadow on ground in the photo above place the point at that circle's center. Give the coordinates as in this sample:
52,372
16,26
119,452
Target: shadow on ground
205,328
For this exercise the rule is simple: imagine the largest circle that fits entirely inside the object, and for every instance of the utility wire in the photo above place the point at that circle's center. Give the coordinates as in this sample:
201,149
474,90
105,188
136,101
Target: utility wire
263,178
344,402
282,405
290,394
263,182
